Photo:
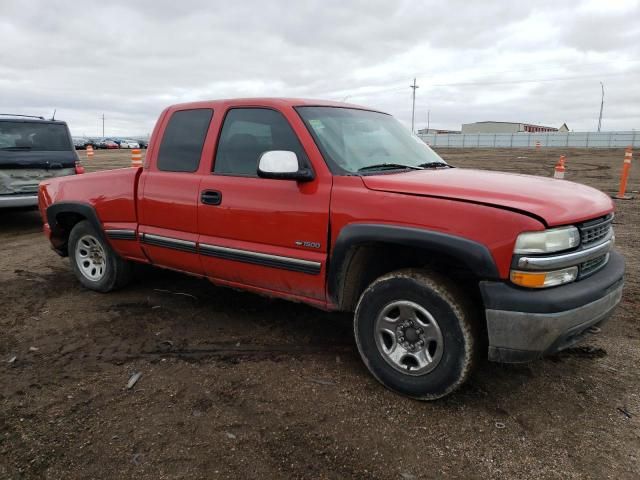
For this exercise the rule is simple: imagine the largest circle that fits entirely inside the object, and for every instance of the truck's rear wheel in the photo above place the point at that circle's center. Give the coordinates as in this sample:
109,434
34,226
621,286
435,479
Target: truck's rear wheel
416,334
94,262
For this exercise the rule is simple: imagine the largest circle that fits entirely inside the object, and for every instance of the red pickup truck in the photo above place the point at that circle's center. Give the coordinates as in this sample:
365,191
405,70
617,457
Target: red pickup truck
342,208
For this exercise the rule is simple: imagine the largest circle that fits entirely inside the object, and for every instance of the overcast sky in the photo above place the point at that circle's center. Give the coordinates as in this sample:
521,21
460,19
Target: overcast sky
536,62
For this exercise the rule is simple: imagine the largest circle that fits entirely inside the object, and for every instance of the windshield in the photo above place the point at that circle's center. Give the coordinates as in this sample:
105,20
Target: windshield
33,136
356,141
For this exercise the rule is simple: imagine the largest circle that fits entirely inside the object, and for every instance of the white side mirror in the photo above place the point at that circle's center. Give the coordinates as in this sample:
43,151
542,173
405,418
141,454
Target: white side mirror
278,162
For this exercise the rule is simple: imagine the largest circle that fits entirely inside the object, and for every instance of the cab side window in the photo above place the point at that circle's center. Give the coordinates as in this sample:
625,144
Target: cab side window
249,132
181,145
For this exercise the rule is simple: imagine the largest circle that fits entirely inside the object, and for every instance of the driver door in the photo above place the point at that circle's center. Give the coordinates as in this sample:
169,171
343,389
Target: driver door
265,233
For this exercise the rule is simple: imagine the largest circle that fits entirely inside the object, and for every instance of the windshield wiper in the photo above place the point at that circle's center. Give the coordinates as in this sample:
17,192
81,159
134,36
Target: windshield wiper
435,165
15,148
389,166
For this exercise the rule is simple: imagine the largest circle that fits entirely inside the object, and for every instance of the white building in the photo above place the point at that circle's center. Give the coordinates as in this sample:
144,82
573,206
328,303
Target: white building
425,131
509,127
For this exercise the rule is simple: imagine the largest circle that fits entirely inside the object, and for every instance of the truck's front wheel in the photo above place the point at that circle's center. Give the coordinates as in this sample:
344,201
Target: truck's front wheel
93,260
416,334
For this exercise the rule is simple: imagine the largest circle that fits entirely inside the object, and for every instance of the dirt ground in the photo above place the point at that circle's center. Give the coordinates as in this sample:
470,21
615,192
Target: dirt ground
236,386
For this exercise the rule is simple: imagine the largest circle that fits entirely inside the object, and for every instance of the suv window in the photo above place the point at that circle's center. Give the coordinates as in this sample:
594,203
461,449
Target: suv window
34,136
249,132
183,139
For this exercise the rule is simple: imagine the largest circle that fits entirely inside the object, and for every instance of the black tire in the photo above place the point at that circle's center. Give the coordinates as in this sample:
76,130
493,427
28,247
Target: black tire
116,272
454,320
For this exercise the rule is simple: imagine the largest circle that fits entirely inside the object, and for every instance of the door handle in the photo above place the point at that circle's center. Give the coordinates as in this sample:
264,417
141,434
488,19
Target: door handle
211,197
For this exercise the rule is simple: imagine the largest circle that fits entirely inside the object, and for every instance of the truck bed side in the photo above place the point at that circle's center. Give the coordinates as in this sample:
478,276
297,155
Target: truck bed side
107,199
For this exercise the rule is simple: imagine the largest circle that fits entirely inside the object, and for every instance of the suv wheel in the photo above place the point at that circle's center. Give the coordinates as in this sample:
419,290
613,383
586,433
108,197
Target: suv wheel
416,334
93,260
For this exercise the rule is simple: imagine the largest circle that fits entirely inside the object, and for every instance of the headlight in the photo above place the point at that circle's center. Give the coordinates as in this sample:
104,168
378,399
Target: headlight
544,279
547,241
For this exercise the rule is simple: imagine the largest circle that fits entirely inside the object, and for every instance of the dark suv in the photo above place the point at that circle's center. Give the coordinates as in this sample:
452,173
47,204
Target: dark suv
32,149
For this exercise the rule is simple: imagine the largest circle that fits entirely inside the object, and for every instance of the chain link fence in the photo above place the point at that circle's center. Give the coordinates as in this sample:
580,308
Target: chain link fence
529,140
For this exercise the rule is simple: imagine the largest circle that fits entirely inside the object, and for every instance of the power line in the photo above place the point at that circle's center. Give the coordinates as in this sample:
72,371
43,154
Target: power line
341,93
496,82
538,80
537,69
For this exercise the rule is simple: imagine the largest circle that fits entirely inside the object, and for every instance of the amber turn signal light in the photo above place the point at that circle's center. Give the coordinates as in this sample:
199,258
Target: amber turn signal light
544,279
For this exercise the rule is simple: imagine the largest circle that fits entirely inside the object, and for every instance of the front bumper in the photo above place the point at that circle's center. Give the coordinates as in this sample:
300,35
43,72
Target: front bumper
525,324
10,201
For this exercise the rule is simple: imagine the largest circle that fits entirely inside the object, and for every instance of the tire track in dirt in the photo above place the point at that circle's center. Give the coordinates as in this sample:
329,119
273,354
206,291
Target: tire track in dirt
229,352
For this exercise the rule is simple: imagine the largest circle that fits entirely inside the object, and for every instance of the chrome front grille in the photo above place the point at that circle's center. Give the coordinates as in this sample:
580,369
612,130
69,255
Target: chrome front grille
594,231
592,266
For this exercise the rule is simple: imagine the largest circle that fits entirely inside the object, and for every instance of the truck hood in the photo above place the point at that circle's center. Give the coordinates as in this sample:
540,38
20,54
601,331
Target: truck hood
556,202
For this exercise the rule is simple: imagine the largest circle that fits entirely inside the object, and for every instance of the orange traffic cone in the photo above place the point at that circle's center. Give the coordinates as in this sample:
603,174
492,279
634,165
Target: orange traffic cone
89,151
559,170
136,158
626,168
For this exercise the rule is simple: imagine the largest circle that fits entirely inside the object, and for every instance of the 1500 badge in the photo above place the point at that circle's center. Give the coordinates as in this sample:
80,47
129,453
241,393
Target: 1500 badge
302,243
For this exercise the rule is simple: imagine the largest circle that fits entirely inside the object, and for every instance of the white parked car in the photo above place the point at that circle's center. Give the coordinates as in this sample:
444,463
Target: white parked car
129,144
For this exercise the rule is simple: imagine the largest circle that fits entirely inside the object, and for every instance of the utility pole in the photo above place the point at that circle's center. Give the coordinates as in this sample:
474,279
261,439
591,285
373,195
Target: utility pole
428,119
413,108
601,107
103,124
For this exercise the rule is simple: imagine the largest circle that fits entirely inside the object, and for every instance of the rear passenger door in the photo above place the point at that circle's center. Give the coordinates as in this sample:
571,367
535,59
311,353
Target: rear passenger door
266,233
168,203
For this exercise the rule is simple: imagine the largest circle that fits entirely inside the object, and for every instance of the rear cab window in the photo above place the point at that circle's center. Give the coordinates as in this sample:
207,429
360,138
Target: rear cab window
183,140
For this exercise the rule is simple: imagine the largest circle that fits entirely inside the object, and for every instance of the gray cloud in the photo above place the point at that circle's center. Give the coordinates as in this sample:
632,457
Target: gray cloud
131,59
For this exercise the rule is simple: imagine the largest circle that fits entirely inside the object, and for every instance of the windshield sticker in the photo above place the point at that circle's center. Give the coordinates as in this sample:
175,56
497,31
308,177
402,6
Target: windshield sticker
316,124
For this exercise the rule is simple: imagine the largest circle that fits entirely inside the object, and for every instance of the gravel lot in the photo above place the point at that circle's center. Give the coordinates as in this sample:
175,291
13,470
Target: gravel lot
235,385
